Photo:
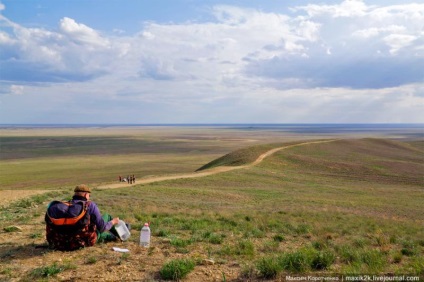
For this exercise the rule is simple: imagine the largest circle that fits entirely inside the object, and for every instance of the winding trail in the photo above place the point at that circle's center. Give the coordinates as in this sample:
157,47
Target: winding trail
211,171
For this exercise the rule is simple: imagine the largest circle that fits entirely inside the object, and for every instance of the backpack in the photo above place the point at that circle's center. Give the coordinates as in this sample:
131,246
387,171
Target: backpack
67,232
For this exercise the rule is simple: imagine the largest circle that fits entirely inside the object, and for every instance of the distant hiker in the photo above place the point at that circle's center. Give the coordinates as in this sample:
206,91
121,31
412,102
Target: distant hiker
120,179
78,223
133,178
129,180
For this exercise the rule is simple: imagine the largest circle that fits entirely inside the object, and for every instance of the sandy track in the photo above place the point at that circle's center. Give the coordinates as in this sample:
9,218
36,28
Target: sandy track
211,171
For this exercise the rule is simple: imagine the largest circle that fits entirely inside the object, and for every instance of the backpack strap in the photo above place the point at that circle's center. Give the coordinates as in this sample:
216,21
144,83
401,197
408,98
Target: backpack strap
69,221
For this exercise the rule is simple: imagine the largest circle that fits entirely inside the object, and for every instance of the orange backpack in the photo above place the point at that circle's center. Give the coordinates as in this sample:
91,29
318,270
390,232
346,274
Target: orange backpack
68,233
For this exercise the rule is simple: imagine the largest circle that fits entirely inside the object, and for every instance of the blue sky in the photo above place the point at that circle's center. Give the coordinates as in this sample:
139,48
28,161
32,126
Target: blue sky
187,61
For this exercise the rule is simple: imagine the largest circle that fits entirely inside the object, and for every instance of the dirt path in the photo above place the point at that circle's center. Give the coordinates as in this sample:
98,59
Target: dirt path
14,195
211,171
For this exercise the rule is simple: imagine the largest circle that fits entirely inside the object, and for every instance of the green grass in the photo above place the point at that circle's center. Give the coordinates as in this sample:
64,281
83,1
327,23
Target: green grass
176,269
51,270
347,207
299,261
52,162
268,267
239,157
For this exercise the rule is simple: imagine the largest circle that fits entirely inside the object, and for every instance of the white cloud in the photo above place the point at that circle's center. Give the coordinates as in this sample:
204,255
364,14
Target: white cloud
16,89
5,39
398,41
359,62
348,8
375,31
81,33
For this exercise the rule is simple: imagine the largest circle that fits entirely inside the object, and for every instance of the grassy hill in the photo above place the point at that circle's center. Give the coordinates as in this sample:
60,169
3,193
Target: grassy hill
343,207
239,157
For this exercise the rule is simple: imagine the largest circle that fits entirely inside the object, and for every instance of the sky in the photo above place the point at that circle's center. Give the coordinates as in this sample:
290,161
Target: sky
208,61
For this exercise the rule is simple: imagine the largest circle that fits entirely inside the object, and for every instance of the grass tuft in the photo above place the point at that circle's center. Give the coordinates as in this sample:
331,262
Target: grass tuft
297,261
323,260
51,270
176,269
278,238
268,267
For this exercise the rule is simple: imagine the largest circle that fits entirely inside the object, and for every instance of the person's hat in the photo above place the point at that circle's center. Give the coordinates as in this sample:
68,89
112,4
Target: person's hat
82,188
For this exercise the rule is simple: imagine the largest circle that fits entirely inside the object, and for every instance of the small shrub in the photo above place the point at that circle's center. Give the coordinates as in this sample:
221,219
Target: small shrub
397,257
270,246
274,225
227,221
177,242
35,235
124,257
393,239
374,259
409,248
302,229
245,248
408,252
161,233
91,260
352,269
381,239
254,233
248,272
348,254
140,217
215,238
289,228
323,260
206,234
12,228
225,250
7,271
47,271
176,269
360,242
278,238
298,261
416,266
268,267
181,250
319,245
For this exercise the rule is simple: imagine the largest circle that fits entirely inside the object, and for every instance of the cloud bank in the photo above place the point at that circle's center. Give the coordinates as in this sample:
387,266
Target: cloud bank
348,62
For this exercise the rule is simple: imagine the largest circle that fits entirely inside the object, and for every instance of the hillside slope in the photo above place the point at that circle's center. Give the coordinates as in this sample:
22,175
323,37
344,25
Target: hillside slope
367,159
341,207
371,160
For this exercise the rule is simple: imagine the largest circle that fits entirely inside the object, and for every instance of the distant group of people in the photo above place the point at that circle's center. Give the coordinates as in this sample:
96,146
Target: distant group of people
130,179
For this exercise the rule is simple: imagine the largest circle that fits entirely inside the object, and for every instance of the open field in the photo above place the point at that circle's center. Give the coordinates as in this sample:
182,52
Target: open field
54,158
349,206
51,158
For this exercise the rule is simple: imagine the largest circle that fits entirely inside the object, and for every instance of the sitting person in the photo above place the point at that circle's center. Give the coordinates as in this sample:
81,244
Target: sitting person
78,223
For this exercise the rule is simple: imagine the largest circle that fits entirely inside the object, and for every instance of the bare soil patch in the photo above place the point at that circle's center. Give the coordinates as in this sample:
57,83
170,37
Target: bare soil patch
9,196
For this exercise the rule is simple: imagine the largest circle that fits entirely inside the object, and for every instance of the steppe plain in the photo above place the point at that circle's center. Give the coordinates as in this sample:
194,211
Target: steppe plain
343,201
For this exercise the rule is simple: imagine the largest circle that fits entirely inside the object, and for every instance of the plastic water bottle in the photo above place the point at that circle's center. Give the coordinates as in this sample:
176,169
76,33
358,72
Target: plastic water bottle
122,230
145,235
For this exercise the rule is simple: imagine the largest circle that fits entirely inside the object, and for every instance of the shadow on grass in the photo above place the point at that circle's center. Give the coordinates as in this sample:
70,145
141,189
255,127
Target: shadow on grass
13,252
